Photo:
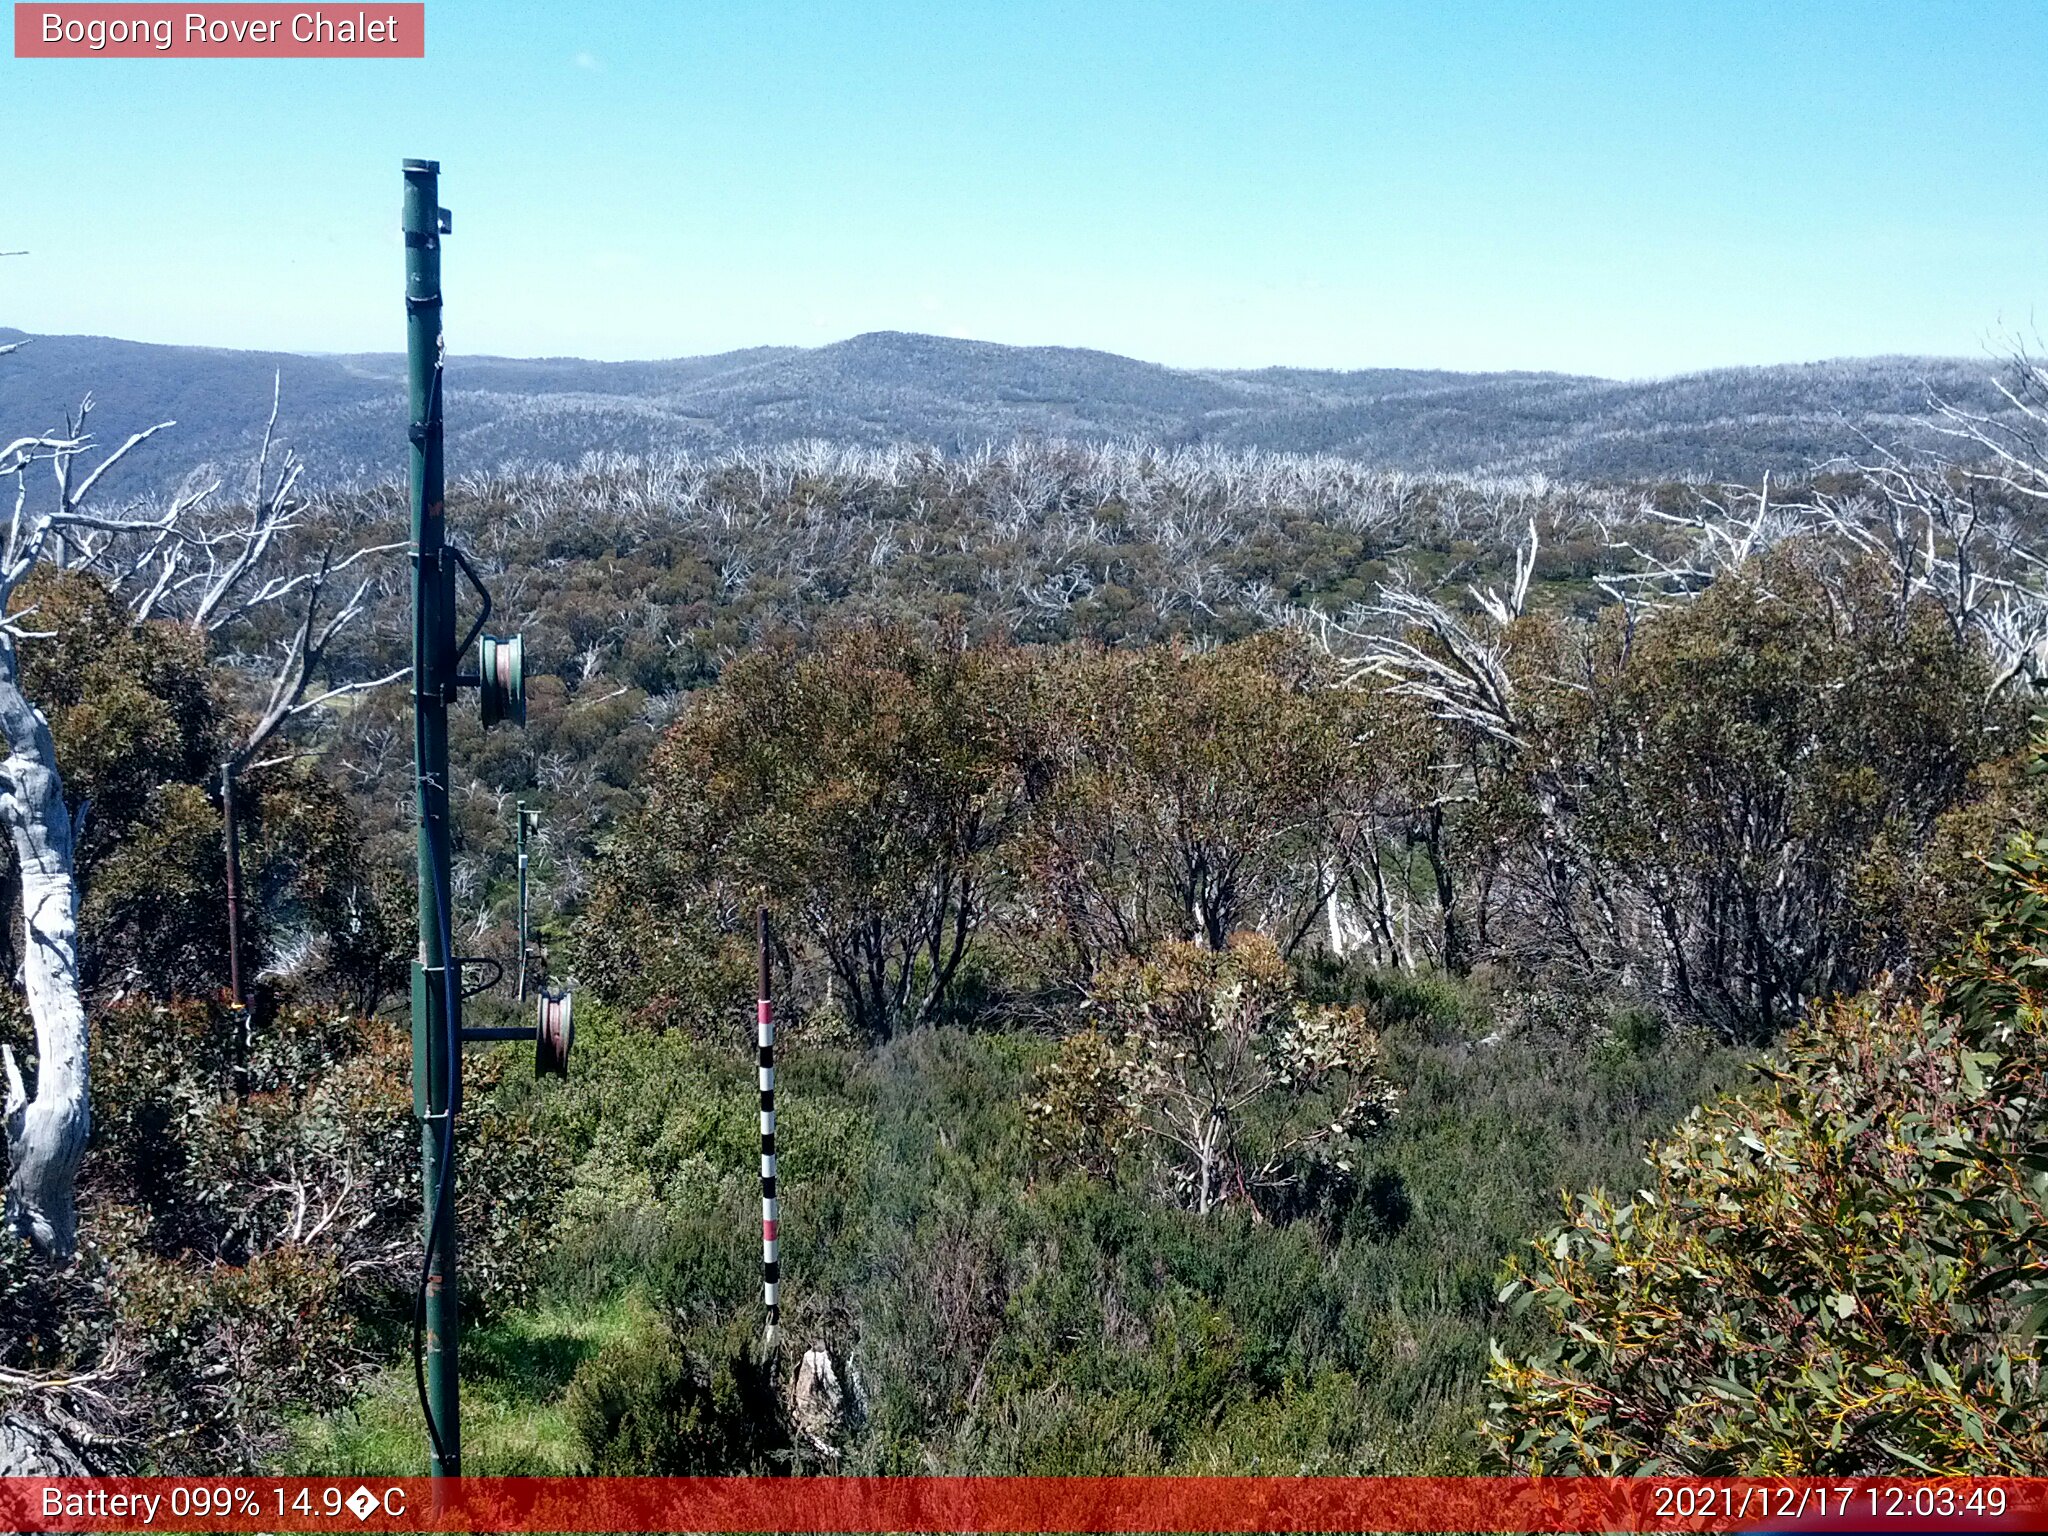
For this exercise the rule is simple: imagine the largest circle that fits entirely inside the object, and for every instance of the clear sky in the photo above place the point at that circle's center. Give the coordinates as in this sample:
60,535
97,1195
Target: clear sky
1628,189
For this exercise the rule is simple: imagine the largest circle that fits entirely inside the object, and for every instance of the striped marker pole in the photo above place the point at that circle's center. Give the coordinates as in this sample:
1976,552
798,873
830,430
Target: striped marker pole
764,1023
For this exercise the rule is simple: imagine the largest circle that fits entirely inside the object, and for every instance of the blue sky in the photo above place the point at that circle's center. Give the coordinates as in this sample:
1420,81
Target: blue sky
1626,189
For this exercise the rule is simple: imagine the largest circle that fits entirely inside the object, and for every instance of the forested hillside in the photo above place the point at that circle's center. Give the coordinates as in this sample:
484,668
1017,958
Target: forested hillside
888,388
1224,903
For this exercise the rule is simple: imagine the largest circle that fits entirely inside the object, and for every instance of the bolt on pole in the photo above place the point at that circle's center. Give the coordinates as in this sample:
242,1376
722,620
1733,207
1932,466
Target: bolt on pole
436,993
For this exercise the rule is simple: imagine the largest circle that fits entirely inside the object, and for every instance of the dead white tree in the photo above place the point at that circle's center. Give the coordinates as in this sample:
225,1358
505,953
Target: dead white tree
1721,533
1505,607
216,569
46,1132
184,558
1411,645
1947,527
213,568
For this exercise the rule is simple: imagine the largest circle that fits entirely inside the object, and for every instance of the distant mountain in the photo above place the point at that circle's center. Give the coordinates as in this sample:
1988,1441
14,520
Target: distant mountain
345,414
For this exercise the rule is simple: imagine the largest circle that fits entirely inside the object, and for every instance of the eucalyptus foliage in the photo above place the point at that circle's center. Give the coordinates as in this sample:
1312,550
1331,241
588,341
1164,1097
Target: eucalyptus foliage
1844,1272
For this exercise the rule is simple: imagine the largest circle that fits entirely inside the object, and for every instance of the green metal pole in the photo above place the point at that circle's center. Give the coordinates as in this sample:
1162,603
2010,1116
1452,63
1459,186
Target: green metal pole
436,1023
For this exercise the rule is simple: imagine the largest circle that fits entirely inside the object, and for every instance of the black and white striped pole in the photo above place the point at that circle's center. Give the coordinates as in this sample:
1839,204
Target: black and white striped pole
764,1036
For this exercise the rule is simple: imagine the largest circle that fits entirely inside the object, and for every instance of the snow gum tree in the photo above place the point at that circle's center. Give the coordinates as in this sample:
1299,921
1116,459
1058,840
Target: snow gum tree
1211,1057
190,560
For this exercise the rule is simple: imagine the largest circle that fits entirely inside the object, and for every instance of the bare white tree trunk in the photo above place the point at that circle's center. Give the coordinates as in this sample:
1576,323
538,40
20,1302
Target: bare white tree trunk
1209,1153
46,1134
187,562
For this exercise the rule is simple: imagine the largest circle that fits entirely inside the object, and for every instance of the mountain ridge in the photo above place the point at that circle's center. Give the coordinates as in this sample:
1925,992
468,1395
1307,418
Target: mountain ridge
344,411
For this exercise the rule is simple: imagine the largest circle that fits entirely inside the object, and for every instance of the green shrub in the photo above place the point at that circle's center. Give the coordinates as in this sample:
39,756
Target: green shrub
1211,1060
665,1404
1007,1322
1845,1273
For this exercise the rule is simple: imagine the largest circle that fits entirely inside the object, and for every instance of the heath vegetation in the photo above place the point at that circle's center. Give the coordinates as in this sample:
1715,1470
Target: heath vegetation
1223,903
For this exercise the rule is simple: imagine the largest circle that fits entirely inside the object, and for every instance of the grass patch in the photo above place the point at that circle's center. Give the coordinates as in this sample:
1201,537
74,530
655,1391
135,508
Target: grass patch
515,1371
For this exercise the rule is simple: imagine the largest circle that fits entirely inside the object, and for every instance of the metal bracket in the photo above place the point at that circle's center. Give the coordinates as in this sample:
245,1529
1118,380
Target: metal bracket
483,615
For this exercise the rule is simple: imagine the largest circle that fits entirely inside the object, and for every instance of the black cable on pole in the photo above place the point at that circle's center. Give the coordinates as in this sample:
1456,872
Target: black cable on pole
440,1213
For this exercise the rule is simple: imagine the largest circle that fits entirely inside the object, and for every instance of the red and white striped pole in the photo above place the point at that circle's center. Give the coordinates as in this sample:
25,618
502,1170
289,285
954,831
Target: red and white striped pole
764,1023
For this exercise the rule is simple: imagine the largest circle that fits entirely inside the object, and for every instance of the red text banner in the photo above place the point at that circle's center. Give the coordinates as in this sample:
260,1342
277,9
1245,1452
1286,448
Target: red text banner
992,1504
372,31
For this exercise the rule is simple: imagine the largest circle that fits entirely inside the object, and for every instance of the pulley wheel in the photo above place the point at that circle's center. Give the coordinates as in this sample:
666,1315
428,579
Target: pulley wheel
552,1039
501,679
